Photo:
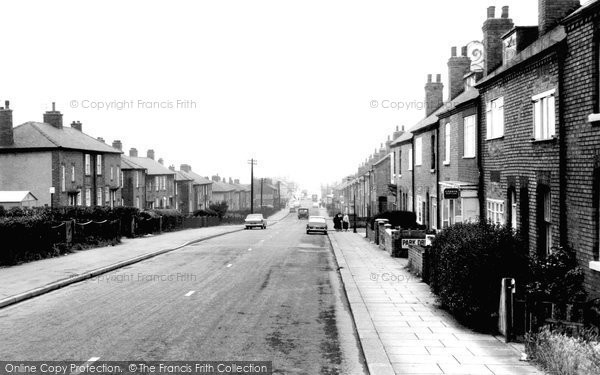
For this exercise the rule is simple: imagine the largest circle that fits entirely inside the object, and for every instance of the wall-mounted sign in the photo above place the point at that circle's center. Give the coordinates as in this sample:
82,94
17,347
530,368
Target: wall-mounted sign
406,242
451,193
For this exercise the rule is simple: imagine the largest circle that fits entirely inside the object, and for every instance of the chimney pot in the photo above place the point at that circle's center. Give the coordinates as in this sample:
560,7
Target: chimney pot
76,125
505,11
491,12
438,78
100,139
150,154
6,104
464,51
133,152
53,106
453,52
428,78
54,117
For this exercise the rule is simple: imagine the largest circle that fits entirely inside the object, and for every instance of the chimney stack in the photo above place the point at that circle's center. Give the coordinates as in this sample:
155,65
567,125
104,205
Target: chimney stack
236,181
54,117
100,139
118,145
551,12
7,137
185,167
458,66
434,94
493,30
230,181
77,125
216,178
172,168
150,154
398,132
133,152
161,161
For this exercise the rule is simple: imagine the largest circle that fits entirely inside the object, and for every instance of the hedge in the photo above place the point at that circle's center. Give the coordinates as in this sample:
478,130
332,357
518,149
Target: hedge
404,219
468,261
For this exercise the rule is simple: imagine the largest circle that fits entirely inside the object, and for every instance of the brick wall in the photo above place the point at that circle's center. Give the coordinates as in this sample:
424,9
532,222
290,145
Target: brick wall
514,160
405,180
582,143
131,191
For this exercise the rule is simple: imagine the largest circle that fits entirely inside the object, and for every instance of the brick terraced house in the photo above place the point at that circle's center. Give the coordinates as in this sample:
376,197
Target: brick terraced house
38,156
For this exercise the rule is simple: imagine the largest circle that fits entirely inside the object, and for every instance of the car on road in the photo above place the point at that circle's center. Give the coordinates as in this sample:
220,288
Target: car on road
255,220
303,213
316,224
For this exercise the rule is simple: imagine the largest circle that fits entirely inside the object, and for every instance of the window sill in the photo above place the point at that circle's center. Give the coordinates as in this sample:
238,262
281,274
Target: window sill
594,118
432,170
468,157
495,139
595,266
446,163
546,140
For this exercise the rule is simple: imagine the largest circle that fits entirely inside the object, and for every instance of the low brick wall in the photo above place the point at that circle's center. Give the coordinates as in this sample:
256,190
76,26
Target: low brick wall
392,243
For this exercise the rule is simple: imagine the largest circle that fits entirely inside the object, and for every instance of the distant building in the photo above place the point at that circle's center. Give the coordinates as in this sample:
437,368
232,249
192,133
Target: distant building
202,188
38,156
10,199
159,188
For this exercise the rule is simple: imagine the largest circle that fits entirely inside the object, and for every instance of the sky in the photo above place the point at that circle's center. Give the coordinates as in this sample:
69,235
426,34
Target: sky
215,83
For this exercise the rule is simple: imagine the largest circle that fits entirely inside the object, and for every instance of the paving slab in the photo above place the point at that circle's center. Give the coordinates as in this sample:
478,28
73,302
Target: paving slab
404,331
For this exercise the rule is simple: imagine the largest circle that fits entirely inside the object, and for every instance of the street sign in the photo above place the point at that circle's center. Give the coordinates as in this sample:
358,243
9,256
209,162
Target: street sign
406,242
52,190
451,193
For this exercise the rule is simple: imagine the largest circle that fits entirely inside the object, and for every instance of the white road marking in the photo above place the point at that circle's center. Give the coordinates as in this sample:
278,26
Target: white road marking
190,293
229,265
90,361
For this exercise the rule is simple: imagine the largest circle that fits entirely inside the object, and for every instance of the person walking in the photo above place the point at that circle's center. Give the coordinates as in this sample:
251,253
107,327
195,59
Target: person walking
337,222
346,222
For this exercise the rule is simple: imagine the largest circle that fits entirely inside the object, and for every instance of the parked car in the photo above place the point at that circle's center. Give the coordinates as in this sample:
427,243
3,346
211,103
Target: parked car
292,209
303,213
255,220
316,224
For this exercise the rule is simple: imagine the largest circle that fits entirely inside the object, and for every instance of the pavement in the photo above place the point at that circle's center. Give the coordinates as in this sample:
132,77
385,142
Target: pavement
401,328
271,295
27,280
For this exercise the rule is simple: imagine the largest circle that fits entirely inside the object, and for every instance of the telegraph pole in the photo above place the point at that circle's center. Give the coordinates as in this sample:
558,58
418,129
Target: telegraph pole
261,193
252,163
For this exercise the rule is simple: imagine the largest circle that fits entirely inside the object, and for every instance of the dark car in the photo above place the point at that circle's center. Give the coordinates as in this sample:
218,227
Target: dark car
316,224
303,213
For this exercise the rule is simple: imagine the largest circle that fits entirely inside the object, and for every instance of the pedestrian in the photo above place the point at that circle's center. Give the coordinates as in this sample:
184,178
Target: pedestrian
337,225
346,222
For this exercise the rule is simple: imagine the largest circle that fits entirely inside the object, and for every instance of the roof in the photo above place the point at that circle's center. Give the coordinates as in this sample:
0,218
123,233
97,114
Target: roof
16,196
542,44
407,136
465,97
151,166
198,180
222,187
584,7
39,135
182,176
127,163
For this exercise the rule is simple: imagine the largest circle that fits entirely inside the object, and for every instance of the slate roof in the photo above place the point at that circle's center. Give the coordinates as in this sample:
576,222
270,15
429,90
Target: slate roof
127,163
222,187
407,136
198,180
182,176
151,166
39,135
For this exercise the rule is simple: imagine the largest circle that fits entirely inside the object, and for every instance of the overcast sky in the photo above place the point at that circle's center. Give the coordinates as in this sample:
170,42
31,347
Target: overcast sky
288,83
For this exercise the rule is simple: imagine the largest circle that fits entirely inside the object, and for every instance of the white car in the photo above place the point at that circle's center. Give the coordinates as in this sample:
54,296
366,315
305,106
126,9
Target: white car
255,220
316,224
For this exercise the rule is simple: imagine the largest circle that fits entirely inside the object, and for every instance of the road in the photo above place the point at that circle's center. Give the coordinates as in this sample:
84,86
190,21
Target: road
271,294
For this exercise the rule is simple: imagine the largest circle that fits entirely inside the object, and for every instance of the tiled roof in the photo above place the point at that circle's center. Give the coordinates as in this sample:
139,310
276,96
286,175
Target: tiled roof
182,176
407,136
127,163
198,180
151,166
465,97
222,187
582,8
36,135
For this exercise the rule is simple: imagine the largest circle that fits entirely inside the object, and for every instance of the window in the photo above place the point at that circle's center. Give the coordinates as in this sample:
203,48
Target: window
99,196
106,194
419,151
451,212
72,199
433,148
410,159
119,177
393,167
99,165
447,144
512,206
547,221
112,173
137,179
73,173
79,197
433,219
469,136
157,183
88,166
544,121
419,210
63,178
399,162
137,202
495,211
88,197
495,118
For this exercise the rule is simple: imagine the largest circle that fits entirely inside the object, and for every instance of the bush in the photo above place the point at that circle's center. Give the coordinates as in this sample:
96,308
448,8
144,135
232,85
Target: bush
171,219
468,262
556,278
558,353
207,212
404,219
220,208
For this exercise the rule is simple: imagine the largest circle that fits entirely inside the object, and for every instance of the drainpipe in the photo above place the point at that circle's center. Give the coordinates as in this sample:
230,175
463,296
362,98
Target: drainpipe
562,141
